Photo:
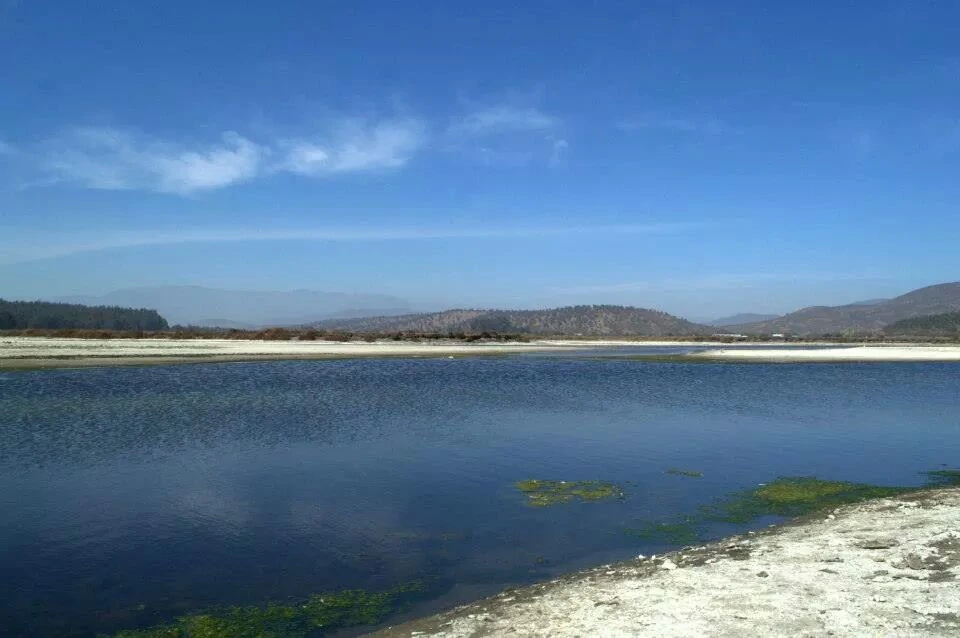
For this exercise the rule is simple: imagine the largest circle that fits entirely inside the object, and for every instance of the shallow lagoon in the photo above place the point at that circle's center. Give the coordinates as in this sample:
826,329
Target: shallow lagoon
130,496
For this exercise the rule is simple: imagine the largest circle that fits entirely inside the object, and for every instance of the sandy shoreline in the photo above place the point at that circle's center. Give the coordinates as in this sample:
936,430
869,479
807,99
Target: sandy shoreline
27,353
883,567
850,353
44,352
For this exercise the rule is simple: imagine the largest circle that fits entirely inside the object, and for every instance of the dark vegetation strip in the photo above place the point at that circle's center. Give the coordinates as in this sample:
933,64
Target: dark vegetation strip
944,325
313,334
25,315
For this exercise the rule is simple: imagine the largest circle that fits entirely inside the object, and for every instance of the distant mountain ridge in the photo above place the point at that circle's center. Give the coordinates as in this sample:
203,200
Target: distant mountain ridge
861,317
598,320
742,318
869,302
201,306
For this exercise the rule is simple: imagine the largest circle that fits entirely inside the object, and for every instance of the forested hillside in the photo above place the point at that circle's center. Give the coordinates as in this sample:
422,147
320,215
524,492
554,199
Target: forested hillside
21,315
861,317
946,324
571,320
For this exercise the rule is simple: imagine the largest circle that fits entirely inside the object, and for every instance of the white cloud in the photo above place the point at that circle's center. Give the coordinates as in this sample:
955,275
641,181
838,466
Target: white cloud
237,160
356,146
649,121
507,136
121,159
49,245
501,119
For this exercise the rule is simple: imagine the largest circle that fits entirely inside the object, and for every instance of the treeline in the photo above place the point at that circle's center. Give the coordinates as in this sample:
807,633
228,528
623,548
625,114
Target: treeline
267,334
309,334
24,315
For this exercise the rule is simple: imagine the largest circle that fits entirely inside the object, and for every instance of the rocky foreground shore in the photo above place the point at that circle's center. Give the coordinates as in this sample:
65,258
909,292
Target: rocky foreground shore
883,567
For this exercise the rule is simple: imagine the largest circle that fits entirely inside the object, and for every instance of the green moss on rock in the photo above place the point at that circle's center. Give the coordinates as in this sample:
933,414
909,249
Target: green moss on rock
545,493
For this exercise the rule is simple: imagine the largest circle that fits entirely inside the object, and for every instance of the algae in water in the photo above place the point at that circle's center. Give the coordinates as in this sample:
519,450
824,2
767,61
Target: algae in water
783,497
682,532
688,473
319,614
793,496
545,493
943,478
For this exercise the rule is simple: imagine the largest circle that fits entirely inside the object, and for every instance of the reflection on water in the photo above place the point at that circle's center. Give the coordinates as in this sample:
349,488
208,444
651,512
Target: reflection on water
129,496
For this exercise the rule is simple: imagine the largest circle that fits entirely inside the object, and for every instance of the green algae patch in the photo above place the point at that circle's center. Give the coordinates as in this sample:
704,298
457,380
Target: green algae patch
318,615
943,478
785,497
546,493
688,473
790,497
686,531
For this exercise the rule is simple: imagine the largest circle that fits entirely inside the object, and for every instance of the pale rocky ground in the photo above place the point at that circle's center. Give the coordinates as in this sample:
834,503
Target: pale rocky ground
61,347
882,568
43,352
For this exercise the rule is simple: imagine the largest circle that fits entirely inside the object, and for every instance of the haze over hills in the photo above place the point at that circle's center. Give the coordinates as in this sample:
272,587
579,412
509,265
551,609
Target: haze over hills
200,306
741,318
600,320
862,316
869,302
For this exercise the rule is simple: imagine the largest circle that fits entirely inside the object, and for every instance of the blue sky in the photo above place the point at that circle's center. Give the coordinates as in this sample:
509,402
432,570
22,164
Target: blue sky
700,157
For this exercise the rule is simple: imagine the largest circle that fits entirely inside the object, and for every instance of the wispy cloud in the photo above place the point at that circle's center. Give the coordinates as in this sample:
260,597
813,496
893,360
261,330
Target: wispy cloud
507,135
125,159
496,120
49,247
711,282
560,147
356,146
653,121
117,158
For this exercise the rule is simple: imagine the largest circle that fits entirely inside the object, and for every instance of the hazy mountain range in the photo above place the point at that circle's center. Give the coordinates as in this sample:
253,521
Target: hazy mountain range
572,320
868,316
199,306
738,319
196,305
871,316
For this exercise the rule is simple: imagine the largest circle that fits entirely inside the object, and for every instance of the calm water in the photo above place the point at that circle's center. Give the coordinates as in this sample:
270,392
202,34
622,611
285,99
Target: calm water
129,496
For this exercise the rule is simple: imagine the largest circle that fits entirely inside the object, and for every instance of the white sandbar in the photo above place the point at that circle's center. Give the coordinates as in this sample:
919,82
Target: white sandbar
851,353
